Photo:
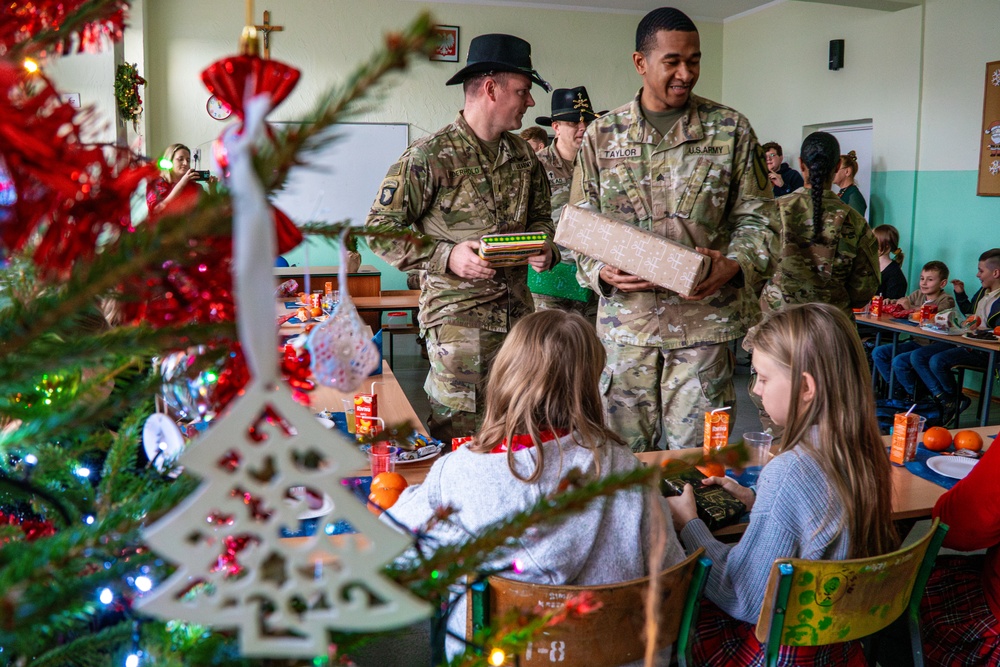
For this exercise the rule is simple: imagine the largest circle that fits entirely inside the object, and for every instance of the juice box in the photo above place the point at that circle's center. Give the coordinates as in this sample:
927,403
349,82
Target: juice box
927,313
876,309
905,431
716,437
365,414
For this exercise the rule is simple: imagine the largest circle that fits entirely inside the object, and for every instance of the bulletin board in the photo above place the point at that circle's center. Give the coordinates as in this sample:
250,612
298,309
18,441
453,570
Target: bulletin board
989,135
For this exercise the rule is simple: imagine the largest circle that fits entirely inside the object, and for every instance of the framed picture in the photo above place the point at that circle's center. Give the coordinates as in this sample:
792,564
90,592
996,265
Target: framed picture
447,49
989,135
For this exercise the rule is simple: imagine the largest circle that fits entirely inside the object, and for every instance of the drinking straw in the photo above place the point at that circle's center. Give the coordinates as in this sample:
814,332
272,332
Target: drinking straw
911,409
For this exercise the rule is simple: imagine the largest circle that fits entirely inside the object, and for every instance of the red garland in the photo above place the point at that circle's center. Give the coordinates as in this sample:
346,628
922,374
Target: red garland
23,21
31,528
65,187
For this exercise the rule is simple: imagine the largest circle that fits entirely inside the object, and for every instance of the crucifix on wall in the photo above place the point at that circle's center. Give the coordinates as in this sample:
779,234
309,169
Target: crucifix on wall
267,29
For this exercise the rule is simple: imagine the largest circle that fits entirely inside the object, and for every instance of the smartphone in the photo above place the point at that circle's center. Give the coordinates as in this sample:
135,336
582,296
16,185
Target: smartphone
201,174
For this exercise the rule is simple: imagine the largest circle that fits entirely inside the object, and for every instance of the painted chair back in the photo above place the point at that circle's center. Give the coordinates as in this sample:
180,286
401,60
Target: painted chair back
814,603
610,635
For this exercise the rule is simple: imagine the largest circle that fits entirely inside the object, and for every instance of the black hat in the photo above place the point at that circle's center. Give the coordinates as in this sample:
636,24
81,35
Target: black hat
570,104
498,53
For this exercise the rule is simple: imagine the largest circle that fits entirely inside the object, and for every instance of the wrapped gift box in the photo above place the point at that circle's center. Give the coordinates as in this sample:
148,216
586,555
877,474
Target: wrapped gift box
623,246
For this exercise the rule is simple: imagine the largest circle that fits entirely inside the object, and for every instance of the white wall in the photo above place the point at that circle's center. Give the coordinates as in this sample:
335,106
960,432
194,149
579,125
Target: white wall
327,39
775,71
92,75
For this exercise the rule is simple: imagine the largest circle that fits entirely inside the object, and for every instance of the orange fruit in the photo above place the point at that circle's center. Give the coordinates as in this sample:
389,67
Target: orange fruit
996,331
937,439
712,470
969,440
316,312
389,480
382,499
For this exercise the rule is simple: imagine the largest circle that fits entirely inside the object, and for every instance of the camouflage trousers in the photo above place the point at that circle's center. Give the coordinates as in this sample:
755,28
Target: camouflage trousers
651,392
586,308
459,358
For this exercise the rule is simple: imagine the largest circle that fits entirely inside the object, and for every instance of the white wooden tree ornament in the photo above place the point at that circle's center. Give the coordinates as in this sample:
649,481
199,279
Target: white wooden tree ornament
234,570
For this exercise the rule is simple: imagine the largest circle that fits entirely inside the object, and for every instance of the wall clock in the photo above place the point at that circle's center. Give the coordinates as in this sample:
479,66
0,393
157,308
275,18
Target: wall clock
218,109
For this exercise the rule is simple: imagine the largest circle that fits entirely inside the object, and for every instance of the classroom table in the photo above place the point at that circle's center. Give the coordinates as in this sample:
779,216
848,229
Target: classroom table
896,327
393,408
912,497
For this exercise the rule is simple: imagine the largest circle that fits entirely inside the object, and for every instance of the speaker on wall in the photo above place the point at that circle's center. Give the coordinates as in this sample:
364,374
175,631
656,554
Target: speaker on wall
836,53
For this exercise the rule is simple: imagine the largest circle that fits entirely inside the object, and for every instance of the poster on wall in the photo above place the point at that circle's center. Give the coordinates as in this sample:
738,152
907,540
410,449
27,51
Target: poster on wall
989,135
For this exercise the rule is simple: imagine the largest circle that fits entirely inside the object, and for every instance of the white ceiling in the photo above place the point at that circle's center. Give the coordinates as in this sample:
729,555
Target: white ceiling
699,10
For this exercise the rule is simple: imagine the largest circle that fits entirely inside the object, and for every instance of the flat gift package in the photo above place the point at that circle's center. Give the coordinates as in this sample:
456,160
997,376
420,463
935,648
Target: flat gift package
716,506
626,247
511,249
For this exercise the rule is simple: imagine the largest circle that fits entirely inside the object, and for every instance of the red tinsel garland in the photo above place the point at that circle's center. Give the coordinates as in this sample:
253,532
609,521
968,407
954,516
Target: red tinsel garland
24,21
32,528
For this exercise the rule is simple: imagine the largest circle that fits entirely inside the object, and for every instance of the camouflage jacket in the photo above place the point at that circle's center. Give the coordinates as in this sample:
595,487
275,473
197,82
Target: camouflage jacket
443,189
704,185
560,175
840,268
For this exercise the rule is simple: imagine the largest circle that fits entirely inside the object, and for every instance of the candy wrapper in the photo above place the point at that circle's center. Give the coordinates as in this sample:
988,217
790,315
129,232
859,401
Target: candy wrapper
288,288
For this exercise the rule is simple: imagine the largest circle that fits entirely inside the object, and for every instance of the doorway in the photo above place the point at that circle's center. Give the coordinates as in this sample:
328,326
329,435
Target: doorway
855,135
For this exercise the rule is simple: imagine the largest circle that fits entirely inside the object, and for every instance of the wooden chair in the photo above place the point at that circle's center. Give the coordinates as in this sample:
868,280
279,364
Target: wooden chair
815,603
611,635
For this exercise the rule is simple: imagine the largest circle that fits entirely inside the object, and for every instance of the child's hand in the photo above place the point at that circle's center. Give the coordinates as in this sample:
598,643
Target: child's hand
958,286
682,508
741,493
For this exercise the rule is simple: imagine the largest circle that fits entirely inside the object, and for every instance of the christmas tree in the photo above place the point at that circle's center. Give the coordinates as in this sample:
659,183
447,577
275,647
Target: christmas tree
87,300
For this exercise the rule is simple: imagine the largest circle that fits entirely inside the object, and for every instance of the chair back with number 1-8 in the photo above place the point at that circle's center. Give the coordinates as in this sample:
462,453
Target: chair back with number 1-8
609,635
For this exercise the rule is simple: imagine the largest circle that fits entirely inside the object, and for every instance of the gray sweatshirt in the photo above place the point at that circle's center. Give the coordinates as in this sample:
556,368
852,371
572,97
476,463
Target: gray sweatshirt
793,499
607,542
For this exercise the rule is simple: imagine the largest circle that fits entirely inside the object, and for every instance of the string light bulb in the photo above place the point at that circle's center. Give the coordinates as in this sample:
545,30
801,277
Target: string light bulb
30,66
144,584
106,596
132,660
497,657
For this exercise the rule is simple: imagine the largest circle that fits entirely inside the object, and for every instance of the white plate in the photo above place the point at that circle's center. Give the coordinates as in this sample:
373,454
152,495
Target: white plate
432,451
981,340
955,467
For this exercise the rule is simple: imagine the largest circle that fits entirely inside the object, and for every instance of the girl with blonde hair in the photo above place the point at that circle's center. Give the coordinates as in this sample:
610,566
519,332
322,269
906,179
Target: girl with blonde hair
543,418
177,179
843,178
825,496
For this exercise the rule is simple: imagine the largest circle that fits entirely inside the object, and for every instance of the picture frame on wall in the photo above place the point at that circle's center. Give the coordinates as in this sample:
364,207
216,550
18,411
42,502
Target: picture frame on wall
447,50
989,135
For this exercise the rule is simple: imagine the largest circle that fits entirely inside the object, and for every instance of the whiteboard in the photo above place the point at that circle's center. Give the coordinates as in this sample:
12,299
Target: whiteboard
340,182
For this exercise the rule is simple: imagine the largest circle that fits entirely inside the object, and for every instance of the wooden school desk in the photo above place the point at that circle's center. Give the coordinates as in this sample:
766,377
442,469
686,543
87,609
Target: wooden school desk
896,327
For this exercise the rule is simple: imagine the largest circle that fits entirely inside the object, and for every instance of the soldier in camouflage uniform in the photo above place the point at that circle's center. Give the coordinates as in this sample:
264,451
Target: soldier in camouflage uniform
828,253
691,170
471,178
571,113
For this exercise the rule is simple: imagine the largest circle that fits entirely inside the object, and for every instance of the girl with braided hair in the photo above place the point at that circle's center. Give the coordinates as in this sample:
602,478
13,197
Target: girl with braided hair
828,253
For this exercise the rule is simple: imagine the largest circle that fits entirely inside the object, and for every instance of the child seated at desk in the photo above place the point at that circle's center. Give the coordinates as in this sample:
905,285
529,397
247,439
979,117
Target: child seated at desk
933,363
826,495
933,278
543,418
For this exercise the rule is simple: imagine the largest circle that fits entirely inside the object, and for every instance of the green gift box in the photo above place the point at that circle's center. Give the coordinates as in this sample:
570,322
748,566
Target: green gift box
559,281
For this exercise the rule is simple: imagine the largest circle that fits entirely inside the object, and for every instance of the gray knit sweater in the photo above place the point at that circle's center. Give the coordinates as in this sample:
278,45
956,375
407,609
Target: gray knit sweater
793,499
605,543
